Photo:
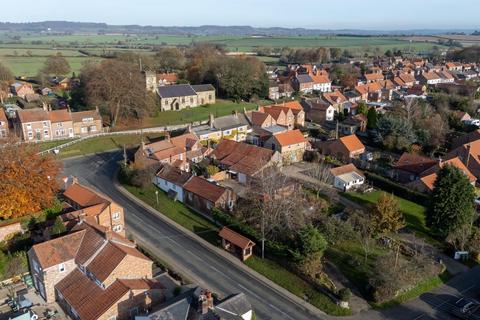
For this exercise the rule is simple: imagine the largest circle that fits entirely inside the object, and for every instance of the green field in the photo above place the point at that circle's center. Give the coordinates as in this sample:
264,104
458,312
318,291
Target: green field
218,109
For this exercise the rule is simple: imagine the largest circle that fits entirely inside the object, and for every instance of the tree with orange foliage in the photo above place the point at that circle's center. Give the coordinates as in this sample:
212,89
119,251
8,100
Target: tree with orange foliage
28,181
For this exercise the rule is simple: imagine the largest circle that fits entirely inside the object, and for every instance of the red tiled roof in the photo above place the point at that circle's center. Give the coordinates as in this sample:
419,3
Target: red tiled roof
290,137
352,143
345,169
79,116
83,196
235,238
59,116
414,163
32,115
53,252
205,189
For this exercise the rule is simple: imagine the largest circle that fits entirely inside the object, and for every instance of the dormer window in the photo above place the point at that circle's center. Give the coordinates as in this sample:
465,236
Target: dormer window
61,267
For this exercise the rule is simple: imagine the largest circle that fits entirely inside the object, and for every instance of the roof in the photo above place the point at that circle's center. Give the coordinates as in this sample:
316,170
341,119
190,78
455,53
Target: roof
53,252
373,76
304,78
259,118
430,175
173,175
349,168
334,97
170,77
290,137
294,105
370,87
469,137
171,146
321,78
203,87
235,238
176,310
233,307
414,163
352,143
3,116
59,116
176,90
205,189
79,116
230,121
32,115
83,196
430,75
242,157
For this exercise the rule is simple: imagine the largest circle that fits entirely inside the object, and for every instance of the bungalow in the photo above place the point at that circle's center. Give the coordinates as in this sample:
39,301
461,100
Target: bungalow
296,108
282,116
290,144
236,243
203,195
427,178
344,149
404,80
347,177
171,180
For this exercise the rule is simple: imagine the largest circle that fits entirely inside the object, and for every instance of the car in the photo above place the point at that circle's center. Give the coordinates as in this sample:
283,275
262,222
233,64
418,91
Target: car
465,308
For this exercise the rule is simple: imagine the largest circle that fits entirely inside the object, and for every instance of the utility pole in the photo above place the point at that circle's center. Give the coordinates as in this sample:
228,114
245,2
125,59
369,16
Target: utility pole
263,235
336,130
124,156
140,64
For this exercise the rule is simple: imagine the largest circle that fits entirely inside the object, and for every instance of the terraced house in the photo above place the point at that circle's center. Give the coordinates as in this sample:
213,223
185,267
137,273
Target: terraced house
94,274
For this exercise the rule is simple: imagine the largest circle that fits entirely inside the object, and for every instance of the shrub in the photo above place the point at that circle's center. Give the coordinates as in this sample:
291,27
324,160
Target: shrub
345,294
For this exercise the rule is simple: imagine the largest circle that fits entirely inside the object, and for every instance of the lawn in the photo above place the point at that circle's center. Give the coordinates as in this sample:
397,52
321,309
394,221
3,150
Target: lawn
414,213
295,285
105,143
51,144
208,231
218,109
30,66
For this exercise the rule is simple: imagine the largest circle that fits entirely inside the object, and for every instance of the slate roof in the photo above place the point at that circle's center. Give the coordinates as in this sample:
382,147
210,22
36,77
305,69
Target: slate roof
230,121
177,90
304,78
233,307
173,175
202,87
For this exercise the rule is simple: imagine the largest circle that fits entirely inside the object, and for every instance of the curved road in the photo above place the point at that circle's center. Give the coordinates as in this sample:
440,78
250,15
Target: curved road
212,270
221,275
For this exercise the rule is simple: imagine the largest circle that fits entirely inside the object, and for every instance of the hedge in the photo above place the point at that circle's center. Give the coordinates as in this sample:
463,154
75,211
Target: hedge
397,189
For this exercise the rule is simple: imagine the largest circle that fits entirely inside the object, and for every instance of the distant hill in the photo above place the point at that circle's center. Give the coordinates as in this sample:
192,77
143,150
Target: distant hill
88,27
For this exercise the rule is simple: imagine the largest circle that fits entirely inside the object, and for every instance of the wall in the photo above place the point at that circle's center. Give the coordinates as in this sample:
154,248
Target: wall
206,97
130,268
9,229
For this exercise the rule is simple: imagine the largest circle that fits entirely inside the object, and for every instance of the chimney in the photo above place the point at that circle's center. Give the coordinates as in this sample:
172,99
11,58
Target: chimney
205,302
189,128
167,135
108,234
81,217
44,106
244,110
74,180
69,110
211,119
96,109
235,113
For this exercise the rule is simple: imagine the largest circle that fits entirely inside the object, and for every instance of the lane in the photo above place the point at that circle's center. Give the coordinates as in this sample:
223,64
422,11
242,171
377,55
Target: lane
216,272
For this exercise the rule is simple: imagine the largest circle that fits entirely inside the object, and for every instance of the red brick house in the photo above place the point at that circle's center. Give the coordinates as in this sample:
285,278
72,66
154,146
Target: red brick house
344,149
203,195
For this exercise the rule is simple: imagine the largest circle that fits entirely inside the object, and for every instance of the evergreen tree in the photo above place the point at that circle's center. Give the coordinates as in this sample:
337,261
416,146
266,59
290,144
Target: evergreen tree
372,118
58,227
452,201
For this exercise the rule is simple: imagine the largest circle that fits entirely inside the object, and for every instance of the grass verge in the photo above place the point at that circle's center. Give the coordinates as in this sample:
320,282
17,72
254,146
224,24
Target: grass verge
208,231
295,285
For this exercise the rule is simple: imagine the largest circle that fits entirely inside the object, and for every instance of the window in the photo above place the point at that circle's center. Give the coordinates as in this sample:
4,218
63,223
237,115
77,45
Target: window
117,228
191,100
84,130
93,128
30,134
35,266
60,124
209,97
116,216
45,133
166,102
183,100
87,119
45,123
29,126
61,267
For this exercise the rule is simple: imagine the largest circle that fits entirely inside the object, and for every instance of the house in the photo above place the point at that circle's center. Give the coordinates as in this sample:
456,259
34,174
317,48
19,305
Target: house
461,116
318,111
273,90
87,122
285,89
465,139
281,116
33,124
370,92
94,207
373,77
236,243
244,161
454,66
352,124
22,89
347,177
344,149
62,124
177,151
404,80
321,81
429,78
171,180
469,154
94,274
4,127
154,80
336,99
182,96
303,83
410,166
46,91
235,127
427,178
198,304
203,195
296,108
290,144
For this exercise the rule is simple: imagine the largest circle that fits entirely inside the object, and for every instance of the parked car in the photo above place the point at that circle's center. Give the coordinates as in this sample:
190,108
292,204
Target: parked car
465,308
366,156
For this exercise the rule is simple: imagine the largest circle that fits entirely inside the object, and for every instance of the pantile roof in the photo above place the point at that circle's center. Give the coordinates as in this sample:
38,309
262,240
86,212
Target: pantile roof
352,143
59,116
290,137
235,238
204,189
84,196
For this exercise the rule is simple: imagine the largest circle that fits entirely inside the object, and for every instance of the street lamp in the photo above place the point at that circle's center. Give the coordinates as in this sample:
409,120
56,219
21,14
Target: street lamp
156,194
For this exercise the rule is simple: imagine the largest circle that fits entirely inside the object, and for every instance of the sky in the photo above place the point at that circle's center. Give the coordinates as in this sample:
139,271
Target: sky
314,14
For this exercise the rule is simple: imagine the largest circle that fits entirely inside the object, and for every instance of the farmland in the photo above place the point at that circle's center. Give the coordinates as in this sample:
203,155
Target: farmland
25,53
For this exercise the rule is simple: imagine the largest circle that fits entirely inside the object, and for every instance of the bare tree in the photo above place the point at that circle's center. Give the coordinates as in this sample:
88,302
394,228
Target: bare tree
117,86
321,172
361,223
6,77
